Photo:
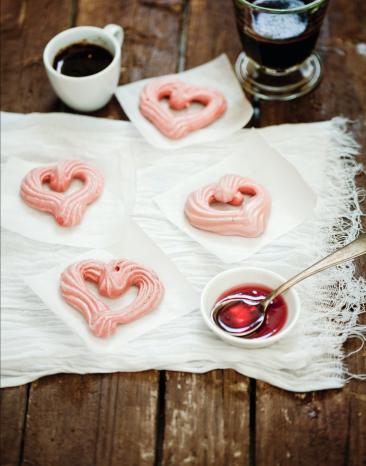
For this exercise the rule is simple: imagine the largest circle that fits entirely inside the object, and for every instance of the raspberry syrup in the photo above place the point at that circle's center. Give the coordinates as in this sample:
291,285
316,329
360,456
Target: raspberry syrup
236,316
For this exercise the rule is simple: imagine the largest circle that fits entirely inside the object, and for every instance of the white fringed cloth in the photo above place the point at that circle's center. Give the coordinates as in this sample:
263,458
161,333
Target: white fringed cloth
36,343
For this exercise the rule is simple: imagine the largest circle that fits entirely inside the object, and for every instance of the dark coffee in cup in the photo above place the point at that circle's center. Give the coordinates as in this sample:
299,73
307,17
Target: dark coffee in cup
82,59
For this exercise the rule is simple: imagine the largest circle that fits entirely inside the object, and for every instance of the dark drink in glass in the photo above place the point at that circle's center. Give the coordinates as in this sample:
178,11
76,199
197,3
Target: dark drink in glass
278,38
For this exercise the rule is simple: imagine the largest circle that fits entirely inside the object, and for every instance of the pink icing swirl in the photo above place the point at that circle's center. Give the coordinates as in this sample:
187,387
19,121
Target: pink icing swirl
180,96
249,220
113,280
68,209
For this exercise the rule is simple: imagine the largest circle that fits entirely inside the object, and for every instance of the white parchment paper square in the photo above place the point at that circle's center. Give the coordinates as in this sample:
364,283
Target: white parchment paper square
179,297
103,220
292,199
216,74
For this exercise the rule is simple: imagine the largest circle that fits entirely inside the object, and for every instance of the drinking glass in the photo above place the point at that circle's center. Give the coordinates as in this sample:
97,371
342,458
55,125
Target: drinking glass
278,39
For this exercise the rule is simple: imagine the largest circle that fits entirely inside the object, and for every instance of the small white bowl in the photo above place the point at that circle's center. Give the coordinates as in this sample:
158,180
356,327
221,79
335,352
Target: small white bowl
241,276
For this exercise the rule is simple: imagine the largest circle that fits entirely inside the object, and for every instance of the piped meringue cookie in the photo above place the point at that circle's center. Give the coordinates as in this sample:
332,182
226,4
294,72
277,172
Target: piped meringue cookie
181,96
249,220
68,209
113,280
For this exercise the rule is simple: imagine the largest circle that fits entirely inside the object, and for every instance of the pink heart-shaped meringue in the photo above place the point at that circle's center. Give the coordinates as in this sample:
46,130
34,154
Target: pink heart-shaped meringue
68,209
180,96
113,280
249,220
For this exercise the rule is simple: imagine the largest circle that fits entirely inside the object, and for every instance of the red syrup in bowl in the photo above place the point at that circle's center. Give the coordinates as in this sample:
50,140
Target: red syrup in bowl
236,316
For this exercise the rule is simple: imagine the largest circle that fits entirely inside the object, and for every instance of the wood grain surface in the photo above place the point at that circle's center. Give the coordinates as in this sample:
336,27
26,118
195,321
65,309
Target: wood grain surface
172,418
91,420
24,83
206,419
13,406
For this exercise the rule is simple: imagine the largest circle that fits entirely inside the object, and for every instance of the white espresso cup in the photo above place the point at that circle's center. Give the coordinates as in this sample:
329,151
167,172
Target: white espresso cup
86,93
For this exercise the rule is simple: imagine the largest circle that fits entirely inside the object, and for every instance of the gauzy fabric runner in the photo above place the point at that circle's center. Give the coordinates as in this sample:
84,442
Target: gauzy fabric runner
36,343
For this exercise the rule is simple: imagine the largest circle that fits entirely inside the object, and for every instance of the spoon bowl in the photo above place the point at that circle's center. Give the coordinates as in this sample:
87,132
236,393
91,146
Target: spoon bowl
255,321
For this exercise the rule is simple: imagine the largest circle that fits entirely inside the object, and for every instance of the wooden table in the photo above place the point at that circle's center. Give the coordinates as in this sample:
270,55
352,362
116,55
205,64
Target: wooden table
169,418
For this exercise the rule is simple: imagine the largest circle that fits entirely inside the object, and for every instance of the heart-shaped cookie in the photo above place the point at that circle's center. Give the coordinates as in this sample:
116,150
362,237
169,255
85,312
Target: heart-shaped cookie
113,280
180,96
68,209
249,220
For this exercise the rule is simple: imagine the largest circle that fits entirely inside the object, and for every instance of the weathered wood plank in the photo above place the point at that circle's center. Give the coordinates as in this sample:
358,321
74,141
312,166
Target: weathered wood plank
127,419
211,30
61,425
207,415
206,419
13,406
152,30
300,429
92,420
356,399
26,28
323,428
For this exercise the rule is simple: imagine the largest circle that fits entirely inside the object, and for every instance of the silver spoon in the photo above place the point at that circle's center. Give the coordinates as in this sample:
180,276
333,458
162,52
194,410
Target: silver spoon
259,310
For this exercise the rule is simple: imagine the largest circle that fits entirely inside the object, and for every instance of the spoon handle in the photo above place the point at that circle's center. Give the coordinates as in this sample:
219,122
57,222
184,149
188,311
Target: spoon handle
350,251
